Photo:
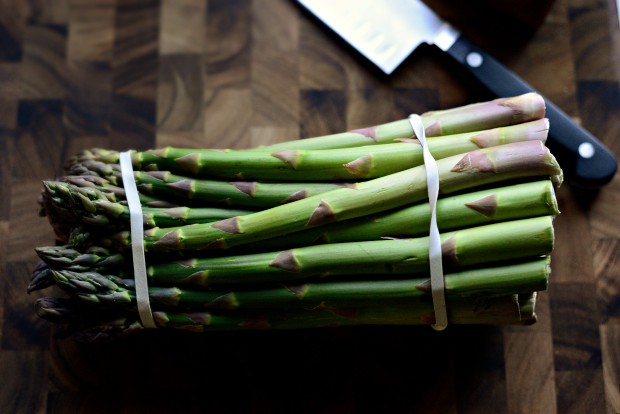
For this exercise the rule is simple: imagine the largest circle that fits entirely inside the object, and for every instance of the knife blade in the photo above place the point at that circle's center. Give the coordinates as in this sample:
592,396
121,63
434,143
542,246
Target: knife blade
386,32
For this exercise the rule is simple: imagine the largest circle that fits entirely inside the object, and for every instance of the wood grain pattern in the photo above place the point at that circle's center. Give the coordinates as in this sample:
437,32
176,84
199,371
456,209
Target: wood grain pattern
610,334
76,74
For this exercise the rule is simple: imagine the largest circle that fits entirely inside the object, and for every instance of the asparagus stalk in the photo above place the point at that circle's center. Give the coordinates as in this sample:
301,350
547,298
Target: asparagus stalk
93,207
178,216
60,213
473,246
349,282
41,278
60,220
64,310
475,117
163,184
497,113
64,257
513,309
461,211
158,189
512,202
516,201
104,185
480,167
487,282
359,163
510,309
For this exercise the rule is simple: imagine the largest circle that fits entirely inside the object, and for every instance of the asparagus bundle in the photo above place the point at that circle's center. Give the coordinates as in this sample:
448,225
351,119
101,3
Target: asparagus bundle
324,231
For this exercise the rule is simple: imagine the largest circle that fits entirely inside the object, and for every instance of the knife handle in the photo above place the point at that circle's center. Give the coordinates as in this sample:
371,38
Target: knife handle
586,162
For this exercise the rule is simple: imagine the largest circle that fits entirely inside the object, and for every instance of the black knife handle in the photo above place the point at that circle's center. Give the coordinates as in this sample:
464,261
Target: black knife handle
586,162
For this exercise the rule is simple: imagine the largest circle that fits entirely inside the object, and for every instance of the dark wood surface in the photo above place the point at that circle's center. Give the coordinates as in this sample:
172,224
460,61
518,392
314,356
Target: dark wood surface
236,73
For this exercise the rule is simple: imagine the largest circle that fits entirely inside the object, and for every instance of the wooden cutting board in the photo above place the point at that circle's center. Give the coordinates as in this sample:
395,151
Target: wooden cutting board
238,73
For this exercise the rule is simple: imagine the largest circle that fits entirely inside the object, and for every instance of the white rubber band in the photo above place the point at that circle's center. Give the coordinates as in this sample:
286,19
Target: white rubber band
434,248
137,241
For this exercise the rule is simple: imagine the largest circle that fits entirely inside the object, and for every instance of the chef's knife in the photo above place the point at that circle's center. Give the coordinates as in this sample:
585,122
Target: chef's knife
387,31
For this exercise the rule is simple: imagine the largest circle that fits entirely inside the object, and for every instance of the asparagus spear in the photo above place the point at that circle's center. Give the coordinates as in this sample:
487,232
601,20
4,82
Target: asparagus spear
93,207
359,163
258,194
473,246
498,310
475,117
480,167
64,257
510,309
64,310
483,282
104,185
510,202
159,188
251,194
178,216
470,209
497,113
98,276
41,277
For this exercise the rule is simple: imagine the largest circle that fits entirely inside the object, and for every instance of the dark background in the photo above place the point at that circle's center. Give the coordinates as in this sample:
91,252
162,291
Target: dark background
137,74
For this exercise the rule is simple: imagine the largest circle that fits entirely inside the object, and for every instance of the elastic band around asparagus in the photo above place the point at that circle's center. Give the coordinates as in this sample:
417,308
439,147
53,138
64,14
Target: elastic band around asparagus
477,168
478,283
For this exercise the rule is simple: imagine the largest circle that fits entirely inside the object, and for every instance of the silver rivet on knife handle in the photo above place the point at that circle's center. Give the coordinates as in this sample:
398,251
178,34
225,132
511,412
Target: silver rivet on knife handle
474,59
586,150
